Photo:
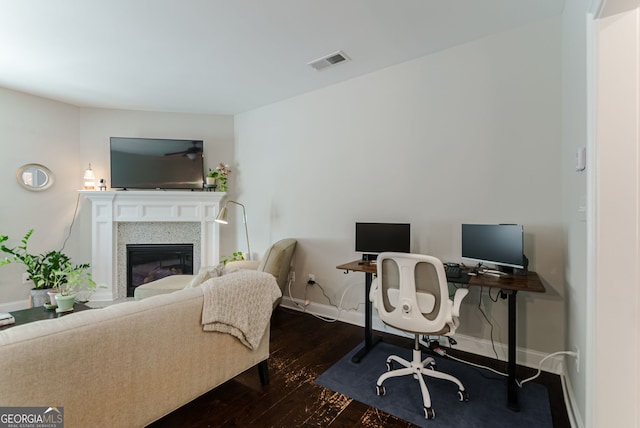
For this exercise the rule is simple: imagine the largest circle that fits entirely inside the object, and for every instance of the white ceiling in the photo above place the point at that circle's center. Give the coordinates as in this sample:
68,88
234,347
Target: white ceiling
227,56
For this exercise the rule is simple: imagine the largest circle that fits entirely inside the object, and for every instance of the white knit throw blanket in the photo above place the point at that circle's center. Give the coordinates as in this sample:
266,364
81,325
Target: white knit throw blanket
240,304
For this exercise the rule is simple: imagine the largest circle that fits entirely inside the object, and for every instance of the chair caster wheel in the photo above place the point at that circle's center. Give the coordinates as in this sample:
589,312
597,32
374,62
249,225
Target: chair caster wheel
429,413
381,390
463,395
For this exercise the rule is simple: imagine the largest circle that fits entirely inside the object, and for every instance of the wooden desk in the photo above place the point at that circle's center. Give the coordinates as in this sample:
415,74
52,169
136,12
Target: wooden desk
509,286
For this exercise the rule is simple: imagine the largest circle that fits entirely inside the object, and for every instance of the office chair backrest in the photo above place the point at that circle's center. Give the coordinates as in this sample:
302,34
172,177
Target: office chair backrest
411,293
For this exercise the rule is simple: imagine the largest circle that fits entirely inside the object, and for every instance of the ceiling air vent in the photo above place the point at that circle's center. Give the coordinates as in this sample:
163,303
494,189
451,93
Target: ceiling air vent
329,60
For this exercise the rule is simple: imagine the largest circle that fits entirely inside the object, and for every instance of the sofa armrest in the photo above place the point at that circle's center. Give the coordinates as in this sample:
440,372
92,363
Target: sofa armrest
241,264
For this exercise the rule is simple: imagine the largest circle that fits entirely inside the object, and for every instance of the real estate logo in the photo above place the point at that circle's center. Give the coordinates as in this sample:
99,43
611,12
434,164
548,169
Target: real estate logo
31,417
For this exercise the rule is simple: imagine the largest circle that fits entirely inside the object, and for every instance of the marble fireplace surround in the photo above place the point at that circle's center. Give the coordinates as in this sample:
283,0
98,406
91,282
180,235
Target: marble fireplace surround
159,210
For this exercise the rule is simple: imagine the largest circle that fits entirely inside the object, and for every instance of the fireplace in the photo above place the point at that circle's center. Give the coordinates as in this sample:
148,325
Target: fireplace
149,262
134,210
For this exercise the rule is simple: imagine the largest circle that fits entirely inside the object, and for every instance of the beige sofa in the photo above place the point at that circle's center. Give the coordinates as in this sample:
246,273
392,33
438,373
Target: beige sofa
125,365
277,261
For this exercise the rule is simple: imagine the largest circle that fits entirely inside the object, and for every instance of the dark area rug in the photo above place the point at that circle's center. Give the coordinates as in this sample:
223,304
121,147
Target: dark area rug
487,393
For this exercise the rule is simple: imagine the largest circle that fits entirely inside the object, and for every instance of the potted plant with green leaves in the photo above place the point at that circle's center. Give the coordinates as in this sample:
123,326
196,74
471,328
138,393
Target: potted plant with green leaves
41,268
210,179
70,281
217,177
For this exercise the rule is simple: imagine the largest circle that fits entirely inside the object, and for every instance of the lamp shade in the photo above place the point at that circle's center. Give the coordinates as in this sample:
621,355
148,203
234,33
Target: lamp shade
222,216
89,179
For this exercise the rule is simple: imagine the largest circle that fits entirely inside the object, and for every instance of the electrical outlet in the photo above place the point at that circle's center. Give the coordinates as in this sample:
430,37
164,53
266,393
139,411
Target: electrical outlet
25,278
312,278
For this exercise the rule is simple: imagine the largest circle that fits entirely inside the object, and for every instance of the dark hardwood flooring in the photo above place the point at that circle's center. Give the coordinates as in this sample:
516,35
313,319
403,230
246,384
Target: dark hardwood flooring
302,347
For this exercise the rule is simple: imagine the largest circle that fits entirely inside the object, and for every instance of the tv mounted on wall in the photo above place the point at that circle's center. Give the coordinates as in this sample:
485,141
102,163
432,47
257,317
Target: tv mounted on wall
154,163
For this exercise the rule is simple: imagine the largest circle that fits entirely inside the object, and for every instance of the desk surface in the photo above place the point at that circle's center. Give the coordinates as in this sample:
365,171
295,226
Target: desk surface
359,266
528,282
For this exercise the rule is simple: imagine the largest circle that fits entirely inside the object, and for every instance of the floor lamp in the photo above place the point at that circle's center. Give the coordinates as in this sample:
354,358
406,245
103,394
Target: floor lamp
222,218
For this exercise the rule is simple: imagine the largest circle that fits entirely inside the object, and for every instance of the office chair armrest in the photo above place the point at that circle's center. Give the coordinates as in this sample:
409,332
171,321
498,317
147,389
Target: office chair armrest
457,300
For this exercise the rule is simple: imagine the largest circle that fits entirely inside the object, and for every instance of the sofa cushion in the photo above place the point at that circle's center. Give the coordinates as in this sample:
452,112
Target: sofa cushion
165,285
198,279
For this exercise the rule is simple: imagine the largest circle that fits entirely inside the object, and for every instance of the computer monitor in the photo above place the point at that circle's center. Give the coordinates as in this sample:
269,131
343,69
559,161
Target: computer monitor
375,238
498,244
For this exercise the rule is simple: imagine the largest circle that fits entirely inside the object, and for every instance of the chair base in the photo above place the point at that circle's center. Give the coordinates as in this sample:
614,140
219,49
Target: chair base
419,368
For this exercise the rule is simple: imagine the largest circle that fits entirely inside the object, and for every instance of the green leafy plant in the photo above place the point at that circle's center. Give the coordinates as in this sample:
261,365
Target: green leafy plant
72,279
237,256
220,173
43,269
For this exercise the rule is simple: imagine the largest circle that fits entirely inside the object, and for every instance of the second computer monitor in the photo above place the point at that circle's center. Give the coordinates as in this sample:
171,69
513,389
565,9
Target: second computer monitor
375,238
499,244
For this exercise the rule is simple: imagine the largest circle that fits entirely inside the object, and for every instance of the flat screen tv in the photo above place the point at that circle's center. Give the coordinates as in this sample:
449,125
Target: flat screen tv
498,244
154,163
375,238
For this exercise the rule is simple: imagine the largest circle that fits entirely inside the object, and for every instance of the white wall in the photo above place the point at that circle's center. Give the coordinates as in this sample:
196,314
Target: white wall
575,54
36,130
66,139
614,387
470,134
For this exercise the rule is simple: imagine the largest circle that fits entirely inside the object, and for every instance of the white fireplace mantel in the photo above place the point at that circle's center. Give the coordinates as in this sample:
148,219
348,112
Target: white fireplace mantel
111,207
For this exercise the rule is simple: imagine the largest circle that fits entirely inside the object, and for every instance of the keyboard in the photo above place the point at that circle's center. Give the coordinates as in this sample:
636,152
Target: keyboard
452,271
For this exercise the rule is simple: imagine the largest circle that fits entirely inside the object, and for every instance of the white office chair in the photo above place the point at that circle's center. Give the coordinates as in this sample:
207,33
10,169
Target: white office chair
411,294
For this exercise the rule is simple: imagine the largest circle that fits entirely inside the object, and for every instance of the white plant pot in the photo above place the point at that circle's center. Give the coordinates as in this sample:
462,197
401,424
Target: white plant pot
52,297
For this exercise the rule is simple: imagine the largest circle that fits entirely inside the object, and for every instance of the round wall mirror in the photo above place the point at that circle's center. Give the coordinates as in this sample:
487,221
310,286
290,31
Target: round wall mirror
34,177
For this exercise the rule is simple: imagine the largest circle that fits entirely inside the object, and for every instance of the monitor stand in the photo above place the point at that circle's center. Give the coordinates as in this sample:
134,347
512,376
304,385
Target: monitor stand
369,258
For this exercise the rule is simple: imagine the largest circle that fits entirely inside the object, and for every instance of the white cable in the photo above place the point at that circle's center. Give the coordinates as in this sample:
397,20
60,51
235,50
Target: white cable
519,383
476,365
338,308
572,353
292,299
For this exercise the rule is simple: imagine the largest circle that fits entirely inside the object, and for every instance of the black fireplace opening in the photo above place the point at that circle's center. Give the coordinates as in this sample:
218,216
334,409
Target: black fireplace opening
150,262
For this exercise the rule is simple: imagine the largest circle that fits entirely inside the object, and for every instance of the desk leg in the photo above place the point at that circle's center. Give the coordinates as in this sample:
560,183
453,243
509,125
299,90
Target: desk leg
369,340
512,388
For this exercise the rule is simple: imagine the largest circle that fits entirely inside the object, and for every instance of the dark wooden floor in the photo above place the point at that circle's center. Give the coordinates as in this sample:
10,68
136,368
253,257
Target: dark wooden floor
302,347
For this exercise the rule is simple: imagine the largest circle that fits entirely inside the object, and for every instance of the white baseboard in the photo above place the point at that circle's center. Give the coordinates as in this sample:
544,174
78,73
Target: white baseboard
575,419
14,306
524,357
102,295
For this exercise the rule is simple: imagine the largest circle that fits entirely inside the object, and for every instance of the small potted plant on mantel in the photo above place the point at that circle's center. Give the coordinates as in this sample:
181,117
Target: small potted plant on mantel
217,178
42,269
